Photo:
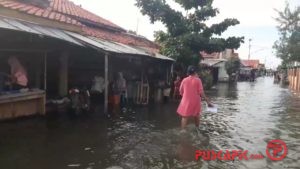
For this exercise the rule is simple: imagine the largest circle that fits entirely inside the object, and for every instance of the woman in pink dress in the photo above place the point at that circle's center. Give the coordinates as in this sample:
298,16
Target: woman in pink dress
191,90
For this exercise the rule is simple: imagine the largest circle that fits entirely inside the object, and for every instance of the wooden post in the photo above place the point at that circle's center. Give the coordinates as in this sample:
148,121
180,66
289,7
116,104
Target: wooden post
298,78
294,78
106,84
290,78
63,75
290,75
45,85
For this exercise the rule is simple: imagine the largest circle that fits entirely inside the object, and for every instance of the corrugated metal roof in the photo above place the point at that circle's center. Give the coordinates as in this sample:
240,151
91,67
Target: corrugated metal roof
16,25
91,42
7,26
163,57
212,62
116,47
119,47
155,55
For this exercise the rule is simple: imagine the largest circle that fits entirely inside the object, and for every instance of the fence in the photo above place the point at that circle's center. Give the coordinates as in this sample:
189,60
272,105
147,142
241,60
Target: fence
294,78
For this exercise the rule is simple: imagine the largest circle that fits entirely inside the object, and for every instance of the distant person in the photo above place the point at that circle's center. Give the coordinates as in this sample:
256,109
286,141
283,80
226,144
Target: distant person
191,90
252,75
98,84
121,89
97,91
166,92
177,84
19,77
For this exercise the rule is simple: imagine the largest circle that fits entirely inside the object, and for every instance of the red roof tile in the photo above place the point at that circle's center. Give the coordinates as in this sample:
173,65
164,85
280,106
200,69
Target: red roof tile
69,8
37,11
67,12
33,10
18,6
214,55
120,37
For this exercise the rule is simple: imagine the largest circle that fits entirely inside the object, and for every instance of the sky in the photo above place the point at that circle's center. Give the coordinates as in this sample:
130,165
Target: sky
256,22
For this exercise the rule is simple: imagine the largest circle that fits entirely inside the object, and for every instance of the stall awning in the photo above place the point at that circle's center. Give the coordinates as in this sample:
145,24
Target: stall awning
17,25
75,38
115,47
163,57
212,62
155,55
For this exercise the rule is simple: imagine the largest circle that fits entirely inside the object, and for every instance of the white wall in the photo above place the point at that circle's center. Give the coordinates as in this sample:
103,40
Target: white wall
223,76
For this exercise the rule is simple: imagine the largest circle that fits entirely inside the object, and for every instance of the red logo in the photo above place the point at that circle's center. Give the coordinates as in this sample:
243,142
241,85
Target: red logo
279,150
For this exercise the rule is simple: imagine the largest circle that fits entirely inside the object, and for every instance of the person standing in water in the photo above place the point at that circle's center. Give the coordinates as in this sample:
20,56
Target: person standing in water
191,90
177,84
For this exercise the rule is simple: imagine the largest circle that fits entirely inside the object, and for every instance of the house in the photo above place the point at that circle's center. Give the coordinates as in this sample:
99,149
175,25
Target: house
63,45
217,62
248,69
253,64
218,69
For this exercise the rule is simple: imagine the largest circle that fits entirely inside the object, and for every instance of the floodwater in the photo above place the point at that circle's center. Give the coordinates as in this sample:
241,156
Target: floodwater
249,115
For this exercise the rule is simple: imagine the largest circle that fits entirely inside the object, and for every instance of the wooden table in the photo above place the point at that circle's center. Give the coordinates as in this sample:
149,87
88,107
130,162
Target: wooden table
16,105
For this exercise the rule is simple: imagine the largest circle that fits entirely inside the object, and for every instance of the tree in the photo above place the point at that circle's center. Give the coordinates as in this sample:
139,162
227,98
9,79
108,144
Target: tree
288,46
232,66
188,34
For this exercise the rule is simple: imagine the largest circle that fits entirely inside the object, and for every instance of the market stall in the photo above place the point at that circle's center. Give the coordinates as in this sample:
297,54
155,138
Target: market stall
20,104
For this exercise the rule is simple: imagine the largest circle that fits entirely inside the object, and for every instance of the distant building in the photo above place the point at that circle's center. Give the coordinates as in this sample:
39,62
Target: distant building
217,61
253,64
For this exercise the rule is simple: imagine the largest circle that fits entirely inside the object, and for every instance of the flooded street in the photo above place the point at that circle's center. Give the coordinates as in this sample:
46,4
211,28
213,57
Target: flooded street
249,115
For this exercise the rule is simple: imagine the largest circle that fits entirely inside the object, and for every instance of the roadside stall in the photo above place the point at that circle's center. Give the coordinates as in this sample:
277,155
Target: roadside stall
23,66
21,91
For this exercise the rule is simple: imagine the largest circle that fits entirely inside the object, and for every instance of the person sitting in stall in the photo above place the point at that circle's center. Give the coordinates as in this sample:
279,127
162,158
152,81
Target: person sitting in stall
18,74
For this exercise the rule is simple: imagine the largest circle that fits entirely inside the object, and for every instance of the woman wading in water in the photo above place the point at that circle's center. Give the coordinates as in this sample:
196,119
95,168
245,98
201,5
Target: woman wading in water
191,90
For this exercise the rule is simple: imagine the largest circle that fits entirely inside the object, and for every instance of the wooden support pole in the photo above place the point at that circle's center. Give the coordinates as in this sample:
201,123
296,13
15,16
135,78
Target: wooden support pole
106,84
290,78
298,78
63,75
294,78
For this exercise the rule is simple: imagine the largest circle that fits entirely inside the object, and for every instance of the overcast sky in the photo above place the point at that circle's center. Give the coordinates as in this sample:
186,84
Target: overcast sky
256,17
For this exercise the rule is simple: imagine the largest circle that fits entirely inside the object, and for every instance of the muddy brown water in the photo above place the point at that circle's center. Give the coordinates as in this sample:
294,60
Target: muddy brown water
249,115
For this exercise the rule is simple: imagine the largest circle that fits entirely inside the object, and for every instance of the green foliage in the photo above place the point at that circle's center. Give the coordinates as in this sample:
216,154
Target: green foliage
206,78
233,65
188,34
288,46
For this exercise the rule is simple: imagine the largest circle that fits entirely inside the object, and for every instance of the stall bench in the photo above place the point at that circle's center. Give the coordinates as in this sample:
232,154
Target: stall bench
14,105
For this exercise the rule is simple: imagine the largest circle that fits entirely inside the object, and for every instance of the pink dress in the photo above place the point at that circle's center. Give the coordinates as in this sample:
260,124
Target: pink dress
190,89
18,72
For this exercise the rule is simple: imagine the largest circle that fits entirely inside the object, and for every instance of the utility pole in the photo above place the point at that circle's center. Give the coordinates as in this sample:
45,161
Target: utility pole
249,48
